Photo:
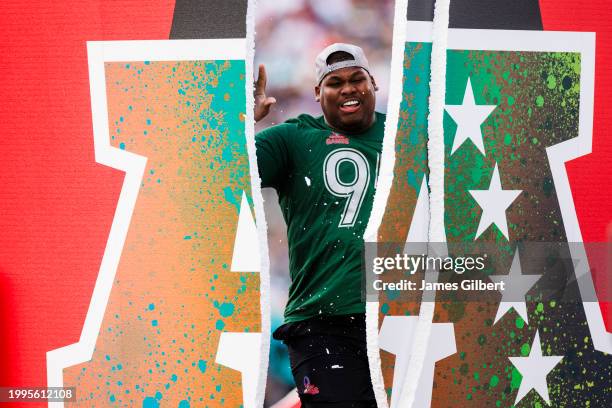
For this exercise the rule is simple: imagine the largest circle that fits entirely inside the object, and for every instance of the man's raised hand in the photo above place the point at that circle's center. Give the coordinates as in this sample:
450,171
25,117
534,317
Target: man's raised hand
262,102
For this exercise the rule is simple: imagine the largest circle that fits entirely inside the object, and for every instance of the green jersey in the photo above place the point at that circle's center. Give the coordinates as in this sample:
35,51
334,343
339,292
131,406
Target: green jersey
325,182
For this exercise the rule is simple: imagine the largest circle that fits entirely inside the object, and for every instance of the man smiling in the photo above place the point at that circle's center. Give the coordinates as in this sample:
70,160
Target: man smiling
325,170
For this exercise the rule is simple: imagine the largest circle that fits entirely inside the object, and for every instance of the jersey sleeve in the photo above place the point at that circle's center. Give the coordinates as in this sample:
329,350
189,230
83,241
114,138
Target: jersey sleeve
274,154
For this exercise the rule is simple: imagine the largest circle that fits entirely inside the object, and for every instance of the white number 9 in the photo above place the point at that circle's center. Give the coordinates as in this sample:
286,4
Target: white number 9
355,189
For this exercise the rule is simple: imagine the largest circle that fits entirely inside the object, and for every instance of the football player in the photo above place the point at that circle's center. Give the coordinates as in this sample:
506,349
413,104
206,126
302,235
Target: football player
325,171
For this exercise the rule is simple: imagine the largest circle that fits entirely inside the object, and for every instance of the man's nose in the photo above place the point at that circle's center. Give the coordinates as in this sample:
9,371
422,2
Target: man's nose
348,88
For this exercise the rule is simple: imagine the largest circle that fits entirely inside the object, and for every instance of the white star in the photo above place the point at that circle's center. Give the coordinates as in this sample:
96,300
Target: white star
534,370
469,117
517,286
494,203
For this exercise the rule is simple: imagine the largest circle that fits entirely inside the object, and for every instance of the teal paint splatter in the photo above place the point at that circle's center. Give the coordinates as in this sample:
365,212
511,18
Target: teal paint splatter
154,323
150,402
227,155
411,178
122,146
183,404
220,325
151,306
158,395
231,198
226,309
202,366
392,294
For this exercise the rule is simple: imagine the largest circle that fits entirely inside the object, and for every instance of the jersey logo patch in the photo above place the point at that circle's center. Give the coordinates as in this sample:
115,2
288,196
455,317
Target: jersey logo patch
310,388
335,138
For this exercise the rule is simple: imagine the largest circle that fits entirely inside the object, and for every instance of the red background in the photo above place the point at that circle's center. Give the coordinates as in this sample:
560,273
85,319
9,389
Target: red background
590,176
57,204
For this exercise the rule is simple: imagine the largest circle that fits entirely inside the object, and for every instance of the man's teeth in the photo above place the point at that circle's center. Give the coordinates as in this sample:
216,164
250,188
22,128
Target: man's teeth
350,103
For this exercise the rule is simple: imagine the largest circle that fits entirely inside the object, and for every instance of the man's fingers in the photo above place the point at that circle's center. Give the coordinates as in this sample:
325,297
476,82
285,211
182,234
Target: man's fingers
262,74
260,84
269,101
263,108
266,105
262,103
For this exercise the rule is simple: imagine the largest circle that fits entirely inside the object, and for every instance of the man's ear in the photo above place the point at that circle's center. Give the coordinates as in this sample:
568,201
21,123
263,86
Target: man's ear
317,90
374,83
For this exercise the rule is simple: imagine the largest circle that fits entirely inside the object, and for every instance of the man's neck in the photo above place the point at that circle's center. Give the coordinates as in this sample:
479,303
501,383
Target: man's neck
352,131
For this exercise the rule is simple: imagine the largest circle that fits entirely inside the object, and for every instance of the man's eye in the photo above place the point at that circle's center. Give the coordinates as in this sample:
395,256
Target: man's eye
357,80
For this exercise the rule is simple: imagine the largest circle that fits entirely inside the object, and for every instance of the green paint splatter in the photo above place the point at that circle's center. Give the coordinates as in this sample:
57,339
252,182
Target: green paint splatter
516,378
525,349
494,381
508,139
520,323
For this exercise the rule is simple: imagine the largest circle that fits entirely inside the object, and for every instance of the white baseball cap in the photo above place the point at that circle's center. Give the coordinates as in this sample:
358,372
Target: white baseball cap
322,68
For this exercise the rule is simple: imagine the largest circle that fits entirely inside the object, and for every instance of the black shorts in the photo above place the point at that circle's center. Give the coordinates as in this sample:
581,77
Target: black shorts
329,361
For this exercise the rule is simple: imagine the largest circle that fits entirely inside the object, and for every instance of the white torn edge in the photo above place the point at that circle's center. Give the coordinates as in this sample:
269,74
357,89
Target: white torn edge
387,162
99,52
435,159
258,202
383,188
373,349
435,129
